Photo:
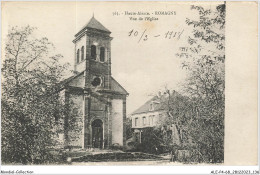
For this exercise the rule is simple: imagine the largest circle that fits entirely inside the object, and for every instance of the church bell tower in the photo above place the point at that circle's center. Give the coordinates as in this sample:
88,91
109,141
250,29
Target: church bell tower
93,55
99,101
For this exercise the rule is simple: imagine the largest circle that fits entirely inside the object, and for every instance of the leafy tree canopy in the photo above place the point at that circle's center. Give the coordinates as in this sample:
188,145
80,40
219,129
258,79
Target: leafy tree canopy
30,105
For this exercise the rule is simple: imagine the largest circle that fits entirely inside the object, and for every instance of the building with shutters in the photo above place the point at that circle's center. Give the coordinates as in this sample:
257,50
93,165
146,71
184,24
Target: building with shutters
152,114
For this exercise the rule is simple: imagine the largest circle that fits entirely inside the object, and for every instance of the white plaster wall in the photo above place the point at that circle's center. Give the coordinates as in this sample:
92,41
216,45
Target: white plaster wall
117,121
81,66
156,120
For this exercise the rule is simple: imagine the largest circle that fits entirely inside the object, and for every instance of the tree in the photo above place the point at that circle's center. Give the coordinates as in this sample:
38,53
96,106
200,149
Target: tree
198,112
204,60
31,109
176,124
195,117
129,130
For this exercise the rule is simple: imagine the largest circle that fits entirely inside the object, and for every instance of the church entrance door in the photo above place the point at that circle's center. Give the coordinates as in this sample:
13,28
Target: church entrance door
97,133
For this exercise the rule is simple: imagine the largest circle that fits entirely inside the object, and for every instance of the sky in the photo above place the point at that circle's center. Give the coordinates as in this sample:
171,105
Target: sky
142,67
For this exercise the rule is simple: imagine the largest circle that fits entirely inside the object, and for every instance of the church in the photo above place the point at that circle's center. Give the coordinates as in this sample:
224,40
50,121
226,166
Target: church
95,101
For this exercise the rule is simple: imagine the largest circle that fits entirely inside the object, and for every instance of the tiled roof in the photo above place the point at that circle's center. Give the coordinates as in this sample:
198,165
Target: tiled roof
157,105
94,24
160,103
115,86
70,78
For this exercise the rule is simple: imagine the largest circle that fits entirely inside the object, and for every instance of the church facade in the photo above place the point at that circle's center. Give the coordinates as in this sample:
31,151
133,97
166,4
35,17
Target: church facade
95,101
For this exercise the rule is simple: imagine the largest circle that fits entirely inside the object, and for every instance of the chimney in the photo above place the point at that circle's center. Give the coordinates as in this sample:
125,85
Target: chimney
159,94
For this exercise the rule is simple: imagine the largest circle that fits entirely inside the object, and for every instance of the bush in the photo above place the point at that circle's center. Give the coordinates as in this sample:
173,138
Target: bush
151,142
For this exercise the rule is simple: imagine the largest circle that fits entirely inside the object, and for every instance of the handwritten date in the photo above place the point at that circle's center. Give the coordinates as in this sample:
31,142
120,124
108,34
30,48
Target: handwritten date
142,36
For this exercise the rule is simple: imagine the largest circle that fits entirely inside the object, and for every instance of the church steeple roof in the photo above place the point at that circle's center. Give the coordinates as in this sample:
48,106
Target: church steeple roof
93,24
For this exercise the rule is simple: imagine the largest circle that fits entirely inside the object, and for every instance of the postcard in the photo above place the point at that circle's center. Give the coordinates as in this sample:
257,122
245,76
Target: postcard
129,83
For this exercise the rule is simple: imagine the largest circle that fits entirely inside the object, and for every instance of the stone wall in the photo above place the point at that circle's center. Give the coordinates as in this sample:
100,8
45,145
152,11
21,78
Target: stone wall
113,133
75,121
97,68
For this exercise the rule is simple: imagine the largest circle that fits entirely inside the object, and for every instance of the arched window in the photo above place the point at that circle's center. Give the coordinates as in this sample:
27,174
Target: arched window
93,52
78,56
102,54
136,121
82,53
151,107
151,120
144,121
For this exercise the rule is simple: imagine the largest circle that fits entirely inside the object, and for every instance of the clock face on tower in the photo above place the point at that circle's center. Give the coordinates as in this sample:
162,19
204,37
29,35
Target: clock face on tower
96,81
